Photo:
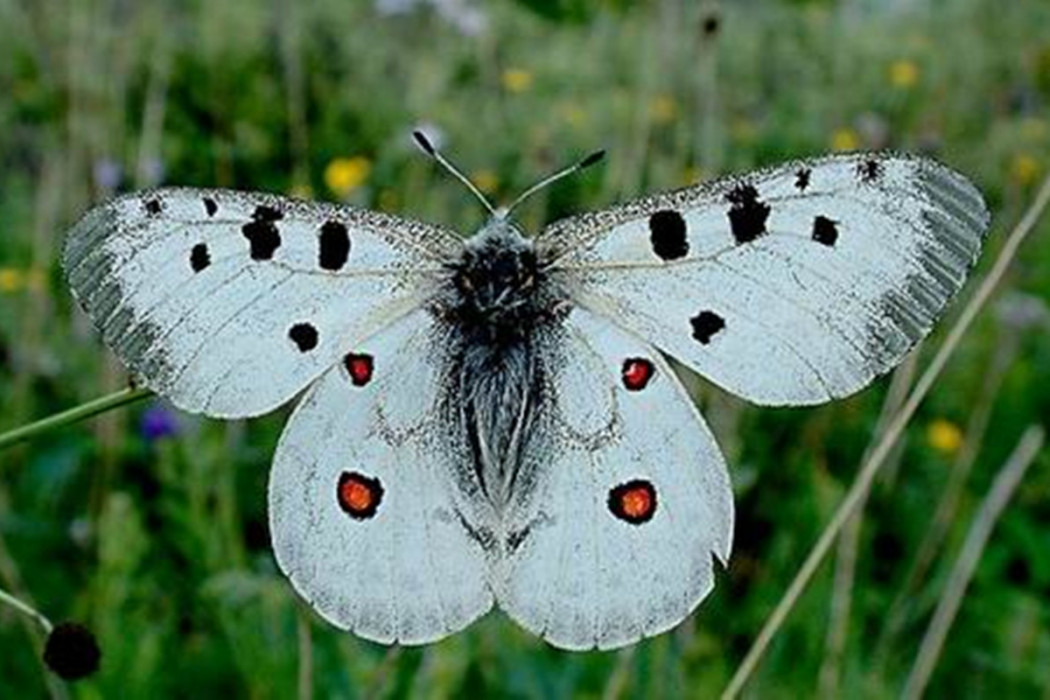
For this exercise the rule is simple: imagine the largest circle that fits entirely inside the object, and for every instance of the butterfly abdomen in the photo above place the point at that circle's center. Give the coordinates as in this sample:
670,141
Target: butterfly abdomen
497,300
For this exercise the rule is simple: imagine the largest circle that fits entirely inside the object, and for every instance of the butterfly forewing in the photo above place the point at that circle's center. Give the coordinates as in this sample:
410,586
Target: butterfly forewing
789,286
367,512
228,303
628,500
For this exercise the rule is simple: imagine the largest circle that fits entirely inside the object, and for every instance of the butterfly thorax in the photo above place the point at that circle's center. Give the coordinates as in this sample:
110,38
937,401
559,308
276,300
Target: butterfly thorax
497,285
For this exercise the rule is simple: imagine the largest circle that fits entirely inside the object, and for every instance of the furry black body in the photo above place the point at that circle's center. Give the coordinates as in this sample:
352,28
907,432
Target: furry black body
500,307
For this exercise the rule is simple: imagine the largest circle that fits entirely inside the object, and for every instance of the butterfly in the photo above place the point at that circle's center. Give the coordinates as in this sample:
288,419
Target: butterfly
493,421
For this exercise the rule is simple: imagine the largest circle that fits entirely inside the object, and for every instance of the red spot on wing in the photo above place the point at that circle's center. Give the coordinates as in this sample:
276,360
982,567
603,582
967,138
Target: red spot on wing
633,501
637,371
359,496
359,367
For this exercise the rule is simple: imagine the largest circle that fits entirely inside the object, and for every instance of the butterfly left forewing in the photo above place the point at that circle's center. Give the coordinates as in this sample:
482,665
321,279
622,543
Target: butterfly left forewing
793,285
227,303
622,503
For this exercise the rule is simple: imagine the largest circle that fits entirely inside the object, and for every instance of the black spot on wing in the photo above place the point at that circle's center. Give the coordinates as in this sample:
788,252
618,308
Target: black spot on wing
199,257
802,179
210,206
706,325
265,213
153,207
334,246
668,235
262,232
748,214
869,170
825,231
304,336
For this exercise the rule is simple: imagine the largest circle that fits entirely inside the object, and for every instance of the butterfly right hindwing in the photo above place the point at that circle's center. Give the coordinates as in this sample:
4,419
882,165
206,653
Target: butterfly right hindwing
628,501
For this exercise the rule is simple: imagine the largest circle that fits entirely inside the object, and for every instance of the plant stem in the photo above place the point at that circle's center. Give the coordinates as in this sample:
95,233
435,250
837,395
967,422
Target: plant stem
25,609
859,489
962,571
73,415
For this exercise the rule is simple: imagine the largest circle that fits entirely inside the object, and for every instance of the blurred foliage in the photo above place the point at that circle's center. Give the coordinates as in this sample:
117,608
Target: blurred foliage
152,530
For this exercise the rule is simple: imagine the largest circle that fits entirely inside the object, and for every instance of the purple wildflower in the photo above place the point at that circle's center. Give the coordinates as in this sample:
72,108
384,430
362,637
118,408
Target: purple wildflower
108,174
158,422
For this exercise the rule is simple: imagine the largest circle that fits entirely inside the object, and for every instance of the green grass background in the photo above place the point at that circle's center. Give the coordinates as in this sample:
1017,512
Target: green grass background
160,545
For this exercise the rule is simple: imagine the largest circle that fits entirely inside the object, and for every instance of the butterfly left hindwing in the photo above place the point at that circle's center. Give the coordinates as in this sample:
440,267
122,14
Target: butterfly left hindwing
367,512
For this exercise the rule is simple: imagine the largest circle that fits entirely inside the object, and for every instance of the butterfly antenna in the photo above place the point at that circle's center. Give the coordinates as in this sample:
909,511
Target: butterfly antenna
564,172
428,148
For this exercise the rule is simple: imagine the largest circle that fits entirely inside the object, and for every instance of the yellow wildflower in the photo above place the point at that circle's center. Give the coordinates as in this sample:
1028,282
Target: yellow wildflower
663,109
944,436
1024,169
11,280
574,115
692,175
904,74
485,180
388,201
344,175
517,80
743,130
36,280
845,139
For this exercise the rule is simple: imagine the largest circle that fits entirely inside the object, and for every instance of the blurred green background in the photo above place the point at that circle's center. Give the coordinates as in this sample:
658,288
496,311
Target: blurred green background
150,526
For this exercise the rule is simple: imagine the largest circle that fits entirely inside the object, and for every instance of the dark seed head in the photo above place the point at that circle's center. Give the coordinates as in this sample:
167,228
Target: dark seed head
71,651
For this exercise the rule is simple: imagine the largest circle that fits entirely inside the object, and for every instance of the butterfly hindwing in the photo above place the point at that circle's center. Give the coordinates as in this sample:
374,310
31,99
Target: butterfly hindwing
627,503
366,514
227,303
792,285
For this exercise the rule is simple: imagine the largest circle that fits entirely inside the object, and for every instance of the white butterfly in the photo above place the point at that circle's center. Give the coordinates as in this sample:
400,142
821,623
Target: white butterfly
493,421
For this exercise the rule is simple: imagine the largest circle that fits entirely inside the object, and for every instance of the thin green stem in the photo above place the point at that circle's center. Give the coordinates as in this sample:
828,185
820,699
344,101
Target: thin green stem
859,489
73,415
25,609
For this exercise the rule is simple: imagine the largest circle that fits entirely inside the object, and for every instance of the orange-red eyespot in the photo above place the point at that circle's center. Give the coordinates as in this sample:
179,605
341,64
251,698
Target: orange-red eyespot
637,371
633,501
359,496
359,367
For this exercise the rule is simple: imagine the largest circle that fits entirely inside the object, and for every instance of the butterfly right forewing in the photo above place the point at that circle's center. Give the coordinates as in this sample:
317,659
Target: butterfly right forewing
792,285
